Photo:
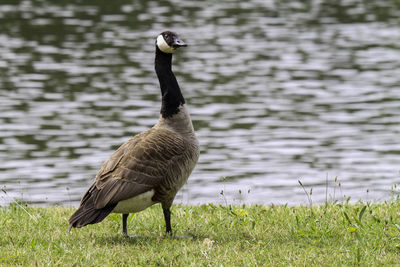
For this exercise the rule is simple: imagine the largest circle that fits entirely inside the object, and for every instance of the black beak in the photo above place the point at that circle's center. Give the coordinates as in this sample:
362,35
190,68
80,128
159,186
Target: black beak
178,43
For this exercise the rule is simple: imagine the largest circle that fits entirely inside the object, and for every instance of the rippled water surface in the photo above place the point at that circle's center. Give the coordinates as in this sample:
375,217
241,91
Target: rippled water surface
279,91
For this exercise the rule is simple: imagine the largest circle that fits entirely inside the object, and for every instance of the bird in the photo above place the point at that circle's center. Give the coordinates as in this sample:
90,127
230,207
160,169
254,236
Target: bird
151,166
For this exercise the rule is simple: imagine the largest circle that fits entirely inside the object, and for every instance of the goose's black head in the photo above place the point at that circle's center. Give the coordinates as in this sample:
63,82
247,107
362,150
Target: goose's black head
168,42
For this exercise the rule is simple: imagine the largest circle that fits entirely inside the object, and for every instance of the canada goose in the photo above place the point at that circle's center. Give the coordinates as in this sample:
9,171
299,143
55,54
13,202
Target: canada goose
152,166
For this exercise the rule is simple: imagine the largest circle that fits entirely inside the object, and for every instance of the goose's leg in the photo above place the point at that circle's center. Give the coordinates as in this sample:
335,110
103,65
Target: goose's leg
167,217
124,230
124,226
168,229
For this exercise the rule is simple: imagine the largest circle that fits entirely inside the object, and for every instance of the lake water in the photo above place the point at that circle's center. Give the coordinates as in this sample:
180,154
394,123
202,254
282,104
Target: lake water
279,91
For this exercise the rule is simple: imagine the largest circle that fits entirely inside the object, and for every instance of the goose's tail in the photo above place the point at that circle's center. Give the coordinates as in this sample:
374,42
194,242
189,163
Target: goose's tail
87,213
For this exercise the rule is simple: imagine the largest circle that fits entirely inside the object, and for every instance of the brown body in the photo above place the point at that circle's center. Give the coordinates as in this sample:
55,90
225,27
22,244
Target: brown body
159,159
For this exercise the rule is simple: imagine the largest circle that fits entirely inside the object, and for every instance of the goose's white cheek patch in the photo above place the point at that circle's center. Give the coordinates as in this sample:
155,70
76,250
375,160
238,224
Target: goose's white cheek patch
163,46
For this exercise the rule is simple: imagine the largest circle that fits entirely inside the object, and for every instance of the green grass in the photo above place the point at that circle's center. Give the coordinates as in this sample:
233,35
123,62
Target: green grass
362,234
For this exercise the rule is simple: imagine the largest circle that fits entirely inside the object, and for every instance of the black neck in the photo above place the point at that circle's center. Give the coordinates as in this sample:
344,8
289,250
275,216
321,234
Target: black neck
171,93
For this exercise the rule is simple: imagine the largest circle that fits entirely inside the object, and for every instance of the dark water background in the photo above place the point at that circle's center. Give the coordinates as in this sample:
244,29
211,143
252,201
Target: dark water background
278,90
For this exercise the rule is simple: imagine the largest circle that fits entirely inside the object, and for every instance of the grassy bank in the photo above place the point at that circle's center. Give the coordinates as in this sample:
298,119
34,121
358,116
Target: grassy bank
333,234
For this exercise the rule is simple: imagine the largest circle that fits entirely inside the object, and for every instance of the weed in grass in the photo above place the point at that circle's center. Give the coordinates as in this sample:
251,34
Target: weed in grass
19,203
358,228
308,194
